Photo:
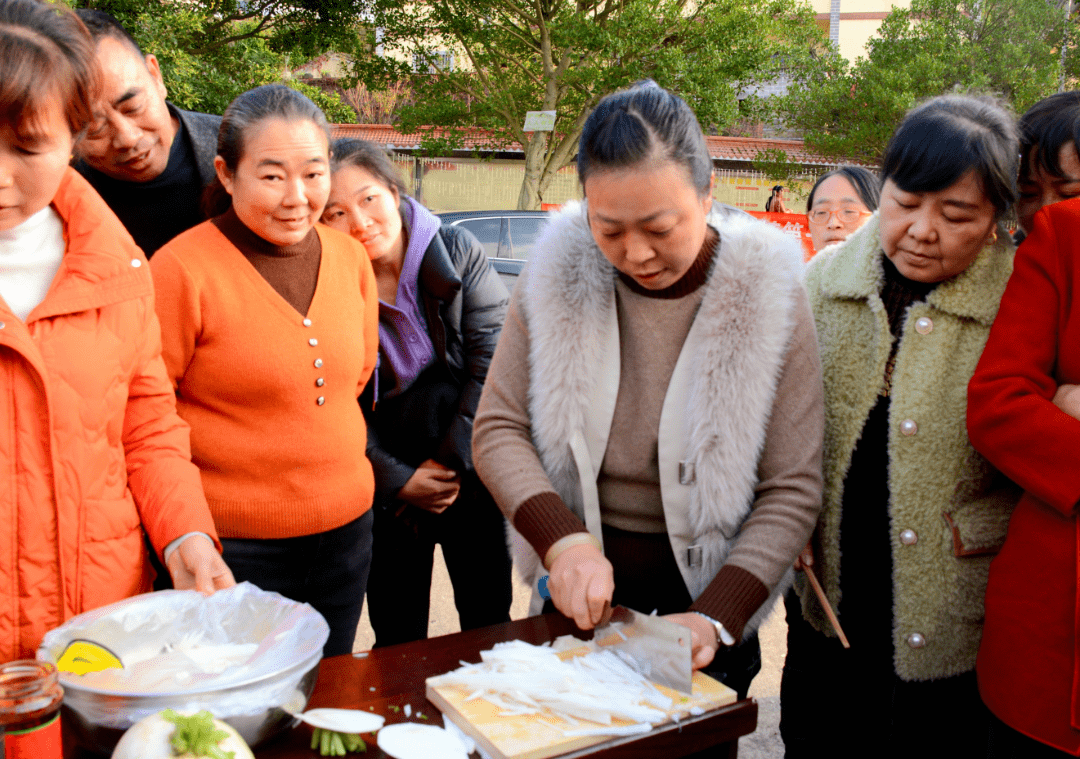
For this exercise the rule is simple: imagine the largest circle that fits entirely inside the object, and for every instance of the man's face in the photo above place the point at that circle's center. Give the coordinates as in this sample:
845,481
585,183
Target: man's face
132,132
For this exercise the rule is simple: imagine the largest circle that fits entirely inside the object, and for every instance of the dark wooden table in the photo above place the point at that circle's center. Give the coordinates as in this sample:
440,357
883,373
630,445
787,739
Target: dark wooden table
394,676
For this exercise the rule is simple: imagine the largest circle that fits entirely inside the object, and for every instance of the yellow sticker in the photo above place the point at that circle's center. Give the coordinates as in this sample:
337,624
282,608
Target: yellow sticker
82,656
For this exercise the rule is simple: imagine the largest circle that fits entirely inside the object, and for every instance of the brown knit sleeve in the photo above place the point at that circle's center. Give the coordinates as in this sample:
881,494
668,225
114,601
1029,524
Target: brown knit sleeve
732,598
544,519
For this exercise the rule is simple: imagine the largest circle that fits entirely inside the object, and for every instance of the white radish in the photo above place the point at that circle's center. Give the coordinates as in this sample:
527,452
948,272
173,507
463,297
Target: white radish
343,720
150,738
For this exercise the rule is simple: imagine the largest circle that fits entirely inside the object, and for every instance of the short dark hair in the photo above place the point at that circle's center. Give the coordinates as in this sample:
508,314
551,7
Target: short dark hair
947,136
631,126
369,157
46,56
865,182
101,24
1049,125
270,101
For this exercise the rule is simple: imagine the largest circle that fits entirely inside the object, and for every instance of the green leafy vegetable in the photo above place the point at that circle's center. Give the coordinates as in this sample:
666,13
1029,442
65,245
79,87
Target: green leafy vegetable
330,743
197,735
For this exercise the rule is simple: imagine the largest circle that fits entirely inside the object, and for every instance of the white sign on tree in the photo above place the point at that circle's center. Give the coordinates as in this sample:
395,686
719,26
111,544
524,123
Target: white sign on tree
539,121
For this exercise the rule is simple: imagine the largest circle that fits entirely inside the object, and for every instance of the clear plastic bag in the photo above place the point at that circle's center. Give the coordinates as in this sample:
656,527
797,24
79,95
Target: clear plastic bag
240,651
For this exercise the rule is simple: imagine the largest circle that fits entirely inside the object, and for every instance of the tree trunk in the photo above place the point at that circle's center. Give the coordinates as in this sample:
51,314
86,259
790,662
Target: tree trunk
529,197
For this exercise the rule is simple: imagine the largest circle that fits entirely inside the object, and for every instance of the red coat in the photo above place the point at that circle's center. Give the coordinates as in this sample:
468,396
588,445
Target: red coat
1028,665
90,444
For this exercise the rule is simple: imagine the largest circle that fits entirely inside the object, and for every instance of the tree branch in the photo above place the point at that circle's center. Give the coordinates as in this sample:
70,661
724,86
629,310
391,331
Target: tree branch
264,23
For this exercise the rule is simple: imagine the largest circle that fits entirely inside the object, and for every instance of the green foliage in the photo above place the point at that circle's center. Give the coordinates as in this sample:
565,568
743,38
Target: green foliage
337,112
210,51
1008,48
564,55
775,164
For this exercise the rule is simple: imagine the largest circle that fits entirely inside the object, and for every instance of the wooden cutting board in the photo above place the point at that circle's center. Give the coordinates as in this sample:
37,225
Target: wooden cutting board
535,736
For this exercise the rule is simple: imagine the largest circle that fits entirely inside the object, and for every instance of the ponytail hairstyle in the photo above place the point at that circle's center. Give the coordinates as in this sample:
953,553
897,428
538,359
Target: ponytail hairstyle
246,113
642,123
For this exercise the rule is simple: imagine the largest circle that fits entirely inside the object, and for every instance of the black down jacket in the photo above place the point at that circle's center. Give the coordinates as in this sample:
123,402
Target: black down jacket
464,303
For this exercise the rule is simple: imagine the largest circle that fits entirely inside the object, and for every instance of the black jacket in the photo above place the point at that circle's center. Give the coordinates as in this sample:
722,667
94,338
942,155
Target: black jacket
464,304
202,132
155,211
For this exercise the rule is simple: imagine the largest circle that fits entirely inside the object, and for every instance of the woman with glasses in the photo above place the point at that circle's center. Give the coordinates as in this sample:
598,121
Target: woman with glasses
912,514
840,202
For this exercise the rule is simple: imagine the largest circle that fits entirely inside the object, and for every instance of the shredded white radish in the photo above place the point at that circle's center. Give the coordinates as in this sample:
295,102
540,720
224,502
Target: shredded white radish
520,678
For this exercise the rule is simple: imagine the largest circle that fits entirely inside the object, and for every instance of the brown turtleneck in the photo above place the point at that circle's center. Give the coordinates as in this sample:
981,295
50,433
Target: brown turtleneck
292,270
653,325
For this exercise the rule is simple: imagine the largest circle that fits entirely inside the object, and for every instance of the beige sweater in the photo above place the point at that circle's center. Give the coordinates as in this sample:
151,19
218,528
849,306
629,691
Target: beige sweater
788,493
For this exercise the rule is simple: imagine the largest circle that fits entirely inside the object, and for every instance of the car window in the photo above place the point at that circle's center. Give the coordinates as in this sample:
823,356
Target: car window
487,231
523,233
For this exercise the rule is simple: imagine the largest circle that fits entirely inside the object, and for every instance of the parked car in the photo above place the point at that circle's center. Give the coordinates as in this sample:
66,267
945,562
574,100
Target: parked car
507,236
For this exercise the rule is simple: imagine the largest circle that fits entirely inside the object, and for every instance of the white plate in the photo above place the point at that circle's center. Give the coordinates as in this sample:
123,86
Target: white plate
407,740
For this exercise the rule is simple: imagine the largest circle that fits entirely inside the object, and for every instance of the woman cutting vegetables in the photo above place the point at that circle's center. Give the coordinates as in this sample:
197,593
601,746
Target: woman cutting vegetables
651,423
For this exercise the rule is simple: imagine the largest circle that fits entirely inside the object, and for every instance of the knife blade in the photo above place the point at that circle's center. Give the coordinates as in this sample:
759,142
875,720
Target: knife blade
655,647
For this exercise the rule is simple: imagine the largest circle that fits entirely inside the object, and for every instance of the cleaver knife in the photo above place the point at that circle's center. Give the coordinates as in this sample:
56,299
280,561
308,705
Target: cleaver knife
658,649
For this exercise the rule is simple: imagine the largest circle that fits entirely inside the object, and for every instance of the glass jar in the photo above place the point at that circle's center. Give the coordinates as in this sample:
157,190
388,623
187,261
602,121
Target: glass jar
30,699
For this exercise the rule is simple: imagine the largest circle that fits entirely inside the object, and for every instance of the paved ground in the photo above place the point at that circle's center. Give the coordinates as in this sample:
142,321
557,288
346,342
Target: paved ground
763,744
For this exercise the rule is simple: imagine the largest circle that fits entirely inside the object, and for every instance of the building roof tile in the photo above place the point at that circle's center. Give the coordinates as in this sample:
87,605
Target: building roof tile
739,149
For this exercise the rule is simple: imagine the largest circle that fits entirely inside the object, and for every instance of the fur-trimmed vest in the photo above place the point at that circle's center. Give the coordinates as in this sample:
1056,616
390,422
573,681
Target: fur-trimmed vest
716,407
949,507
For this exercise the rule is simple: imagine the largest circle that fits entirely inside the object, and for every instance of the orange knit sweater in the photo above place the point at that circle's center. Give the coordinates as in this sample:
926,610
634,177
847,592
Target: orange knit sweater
269,393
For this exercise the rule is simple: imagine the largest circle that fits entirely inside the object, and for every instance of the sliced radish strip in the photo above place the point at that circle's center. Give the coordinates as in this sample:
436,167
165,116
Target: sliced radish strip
343,720
518,678
408,740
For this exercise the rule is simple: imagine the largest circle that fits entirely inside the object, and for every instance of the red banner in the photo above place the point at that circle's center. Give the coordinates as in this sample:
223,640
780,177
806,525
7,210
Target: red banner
795,224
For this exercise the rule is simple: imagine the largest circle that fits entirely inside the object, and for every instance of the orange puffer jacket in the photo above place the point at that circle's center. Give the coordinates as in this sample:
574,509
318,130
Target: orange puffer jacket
90,444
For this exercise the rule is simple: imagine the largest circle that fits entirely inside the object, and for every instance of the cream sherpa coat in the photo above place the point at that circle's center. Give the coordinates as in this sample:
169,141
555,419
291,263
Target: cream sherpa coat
956,503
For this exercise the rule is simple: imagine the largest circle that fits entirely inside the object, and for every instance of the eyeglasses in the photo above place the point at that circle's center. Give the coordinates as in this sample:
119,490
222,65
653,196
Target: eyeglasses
845,215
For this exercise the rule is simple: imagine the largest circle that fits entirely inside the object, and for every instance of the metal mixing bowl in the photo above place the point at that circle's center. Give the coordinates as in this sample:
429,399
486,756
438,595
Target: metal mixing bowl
97,716
254,728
